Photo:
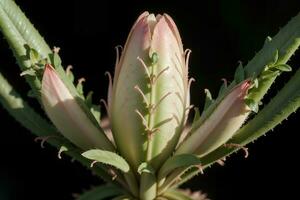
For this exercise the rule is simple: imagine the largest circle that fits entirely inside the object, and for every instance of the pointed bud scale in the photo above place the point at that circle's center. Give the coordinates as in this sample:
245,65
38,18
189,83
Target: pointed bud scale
66,114
221,125
148,100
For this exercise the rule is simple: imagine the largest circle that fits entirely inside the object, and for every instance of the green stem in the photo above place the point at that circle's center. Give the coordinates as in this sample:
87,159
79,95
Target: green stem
148,186
23,25
132,183
286,41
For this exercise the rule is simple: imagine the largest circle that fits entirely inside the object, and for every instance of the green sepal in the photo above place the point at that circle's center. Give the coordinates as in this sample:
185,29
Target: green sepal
253,106
145,167
239,75
222,90
55,60
178,161
70,74
283,67
29,72
275,58
208,99
79,88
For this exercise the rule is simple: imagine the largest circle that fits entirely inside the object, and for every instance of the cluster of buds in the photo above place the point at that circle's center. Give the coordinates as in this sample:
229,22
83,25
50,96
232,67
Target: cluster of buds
147,145
148,104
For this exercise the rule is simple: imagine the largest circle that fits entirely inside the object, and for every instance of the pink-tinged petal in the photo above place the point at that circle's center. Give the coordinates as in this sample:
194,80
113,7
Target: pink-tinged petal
69,118
221,125
174,29
136,25
172,82
126,124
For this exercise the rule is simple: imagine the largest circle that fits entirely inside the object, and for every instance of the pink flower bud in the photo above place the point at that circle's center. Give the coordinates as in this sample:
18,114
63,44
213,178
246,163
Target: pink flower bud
150,91
221,125
68,117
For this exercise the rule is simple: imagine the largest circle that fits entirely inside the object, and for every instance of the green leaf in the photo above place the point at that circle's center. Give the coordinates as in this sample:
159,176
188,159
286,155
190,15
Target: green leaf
196,115
79,87
29,72
253,106
275,58
222,90
100,193
145,167
239,75
34,56
70,74
96,111
285,42
208,99
283,67
107,157
55,60
178,161
89,99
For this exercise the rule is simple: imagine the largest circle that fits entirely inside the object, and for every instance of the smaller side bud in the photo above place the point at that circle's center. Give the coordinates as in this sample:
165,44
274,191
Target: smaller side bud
220,126
66,114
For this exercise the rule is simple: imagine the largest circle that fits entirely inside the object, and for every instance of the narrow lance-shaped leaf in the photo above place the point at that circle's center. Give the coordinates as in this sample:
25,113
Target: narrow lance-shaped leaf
64,111
178,161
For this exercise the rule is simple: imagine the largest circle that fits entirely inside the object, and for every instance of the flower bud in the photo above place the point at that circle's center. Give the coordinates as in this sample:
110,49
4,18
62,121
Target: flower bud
221,125
66,114
150,91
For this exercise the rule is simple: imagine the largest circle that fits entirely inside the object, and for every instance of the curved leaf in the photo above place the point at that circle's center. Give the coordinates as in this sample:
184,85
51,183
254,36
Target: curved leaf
107,157
177,161
145,168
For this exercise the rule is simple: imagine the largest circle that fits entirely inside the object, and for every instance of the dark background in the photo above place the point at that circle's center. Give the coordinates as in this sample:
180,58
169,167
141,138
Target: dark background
220,33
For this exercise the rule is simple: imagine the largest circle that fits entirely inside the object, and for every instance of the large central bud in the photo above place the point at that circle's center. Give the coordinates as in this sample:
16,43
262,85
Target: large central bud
149,98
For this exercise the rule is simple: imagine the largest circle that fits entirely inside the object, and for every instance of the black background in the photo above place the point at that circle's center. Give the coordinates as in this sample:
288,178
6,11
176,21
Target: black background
220,33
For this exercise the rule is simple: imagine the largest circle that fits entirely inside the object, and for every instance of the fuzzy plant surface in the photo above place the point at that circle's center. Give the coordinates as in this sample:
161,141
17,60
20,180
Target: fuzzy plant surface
150,148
